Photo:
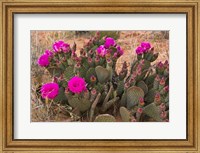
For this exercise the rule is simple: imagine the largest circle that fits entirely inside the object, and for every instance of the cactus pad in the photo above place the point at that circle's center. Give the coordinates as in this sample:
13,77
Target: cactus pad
125,114
133,95
149,97
152,111
103,74
120,88
82,104
105,118
69,72
143,86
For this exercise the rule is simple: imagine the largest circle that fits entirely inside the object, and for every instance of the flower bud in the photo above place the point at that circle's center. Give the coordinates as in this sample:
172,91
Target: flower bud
93,95
166,64
55,79
89,60
126,85
160,65
93,91
78,65
115,55
97,59
140,110
138,113
141,101
162,81
134,75
166,88
93,79
162,107
157,78
91,52
157,98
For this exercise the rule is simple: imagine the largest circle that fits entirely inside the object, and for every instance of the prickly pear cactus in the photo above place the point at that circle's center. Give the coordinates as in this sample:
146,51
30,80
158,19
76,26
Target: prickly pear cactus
105,118
87,81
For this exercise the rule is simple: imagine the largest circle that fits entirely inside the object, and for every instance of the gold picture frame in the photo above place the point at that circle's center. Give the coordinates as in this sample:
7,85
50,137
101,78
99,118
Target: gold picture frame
10,7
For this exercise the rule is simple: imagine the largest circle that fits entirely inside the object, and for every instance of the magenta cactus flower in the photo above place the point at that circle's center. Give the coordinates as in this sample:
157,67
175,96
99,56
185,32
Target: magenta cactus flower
61,46
143,48
43,60
49,53
139,50
146,46
109,42
77,84
49,90
101,50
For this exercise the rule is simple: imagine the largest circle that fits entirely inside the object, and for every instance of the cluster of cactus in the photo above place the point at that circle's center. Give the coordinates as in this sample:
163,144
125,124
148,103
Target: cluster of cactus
89,83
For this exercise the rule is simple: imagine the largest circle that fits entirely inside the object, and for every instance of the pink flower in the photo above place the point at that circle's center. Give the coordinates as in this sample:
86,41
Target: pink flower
77,84
49,53
146,46
109,42
101,51
139,50
49,90
43,60
143,48
61,46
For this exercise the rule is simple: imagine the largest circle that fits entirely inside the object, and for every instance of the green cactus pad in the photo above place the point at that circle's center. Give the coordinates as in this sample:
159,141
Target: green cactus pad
82,72
123,99
89,73
61,95
69,72
125,114
55,71
105,118
149,97
103,74
133,95
143,86
120,87
152,111
82,104
149,80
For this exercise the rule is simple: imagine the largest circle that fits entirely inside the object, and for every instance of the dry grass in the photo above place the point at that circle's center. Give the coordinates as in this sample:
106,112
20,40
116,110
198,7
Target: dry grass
42,40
